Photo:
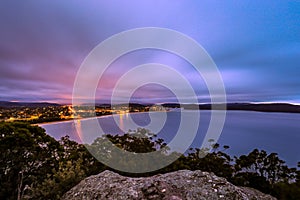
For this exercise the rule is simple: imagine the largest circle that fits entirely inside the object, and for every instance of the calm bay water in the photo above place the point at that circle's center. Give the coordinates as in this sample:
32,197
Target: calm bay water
243,130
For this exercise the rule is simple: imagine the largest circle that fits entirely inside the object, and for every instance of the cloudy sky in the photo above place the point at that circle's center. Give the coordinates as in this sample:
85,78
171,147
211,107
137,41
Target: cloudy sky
255,45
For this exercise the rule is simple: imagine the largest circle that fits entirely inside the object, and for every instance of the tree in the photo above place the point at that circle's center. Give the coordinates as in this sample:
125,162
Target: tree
134,141
33,165
75,164
216,161
27,155
298,175
261,170
60,181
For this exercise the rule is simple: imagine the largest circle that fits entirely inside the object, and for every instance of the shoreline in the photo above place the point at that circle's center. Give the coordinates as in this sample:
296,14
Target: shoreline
109,115
87,118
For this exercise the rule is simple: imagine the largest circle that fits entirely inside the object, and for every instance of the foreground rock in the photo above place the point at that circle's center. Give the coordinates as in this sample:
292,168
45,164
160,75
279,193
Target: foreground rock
172,186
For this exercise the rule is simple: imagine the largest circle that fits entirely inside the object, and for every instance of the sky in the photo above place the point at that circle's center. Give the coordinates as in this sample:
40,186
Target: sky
255,45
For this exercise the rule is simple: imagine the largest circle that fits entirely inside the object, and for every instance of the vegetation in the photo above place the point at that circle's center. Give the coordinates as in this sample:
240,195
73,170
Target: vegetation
33,165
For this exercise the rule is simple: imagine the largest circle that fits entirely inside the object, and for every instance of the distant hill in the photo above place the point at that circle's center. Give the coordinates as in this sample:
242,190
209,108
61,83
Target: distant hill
171,105
262,107
9,104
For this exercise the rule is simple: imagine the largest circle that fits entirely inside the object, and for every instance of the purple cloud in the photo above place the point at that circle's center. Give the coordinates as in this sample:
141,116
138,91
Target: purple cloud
255,45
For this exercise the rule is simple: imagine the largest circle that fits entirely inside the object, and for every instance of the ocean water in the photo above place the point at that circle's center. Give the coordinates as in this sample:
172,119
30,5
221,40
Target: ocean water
243,131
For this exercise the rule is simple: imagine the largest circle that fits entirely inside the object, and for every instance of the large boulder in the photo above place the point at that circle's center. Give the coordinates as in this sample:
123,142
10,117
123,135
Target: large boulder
177,185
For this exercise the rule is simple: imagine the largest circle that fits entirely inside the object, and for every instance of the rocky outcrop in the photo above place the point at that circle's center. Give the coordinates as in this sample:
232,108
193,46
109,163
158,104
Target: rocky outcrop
178,185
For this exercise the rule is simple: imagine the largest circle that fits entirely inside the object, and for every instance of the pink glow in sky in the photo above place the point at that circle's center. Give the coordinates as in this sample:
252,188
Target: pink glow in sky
255,45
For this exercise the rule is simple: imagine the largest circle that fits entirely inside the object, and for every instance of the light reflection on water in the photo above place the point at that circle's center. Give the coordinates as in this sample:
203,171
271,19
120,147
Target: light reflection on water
243,131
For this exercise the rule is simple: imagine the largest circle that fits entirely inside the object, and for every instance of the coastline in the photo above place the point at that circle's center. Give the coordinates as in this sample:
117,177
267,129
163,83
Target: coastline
87,118
131,113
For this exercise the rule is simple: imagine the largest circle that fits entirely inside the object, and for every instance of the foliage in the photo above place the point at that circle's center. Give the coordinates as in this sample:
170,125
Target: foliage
134,141
61,180
262,171
216,161
33,165
27,155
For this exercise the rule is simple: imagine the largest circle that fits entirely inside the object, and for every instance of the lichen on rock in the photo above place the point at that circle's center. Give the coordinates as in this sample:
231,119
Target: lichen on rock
179,185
